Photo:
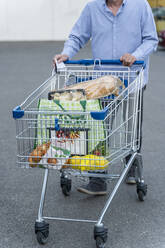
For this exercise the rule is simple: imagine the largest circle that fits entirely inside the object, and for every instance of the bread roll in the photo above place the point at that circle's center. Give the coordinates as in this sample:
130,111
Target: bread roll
37,154
31,163
52,161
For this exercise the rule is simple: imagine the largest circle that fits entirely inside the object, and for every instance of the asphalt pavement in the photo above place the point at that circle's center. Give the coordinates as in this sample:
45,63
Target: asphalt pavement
131,224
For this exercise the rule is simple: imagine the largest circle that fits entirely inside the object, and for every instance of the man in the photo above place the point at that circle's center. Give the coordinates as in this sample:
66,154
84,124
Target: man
122,29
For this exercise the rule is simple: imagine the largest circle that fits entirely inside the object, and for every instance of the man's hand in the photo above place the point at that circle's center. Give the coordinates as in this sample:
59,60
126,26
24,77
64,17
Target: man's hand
127,59
60,58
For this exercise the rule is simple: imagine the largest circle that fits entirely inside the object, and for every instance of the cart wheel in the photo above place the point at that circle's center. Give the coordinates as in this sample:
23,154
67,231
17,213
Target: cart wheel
66,185
141,191
41,238
141,196
42,232
100,235
65,190
100,242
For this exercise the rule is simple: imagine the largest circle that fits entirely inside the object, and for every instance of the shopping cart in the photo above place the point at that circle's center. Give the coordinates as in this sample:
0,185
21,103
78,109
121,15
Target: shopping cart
105,131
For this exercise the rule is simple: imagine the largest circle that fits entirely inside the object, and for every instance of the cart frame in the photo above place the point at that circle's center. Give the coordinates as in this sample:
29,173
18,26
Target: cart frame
100,231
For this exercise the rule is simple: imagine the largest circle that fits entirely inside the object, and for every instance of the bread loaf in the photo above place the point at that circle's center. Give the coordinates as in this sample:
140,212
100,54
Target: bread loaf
100,87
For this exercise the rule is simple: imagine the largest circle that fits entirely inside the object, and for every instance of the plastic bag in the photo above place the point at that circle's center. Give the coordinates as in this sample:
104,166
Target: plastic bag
100,87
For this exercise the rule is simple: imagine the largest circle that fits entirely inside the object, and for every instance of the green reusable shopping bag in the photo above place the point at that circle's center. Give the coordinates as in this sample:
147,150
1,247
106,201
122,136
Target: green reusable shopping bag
45,121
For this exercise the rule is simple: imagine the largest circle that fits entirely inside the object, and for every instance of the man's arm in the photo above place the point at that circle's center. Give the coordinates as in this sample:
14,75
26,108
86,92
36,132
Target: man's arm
149,34
149,38
80,34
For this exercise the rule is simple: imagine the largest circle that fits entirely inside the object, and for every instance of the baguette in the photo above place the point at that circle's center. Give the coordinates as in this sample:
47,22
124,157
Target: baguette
100,87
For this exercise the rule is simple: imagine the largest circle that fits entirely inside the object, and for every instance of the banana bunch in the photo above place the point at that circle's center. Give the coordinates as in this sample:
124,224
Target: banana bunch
87,163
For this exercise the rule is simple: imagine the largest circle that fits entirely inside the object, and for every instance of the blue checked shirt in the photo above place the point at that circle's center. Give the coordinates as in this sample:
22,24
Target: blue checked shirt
132,31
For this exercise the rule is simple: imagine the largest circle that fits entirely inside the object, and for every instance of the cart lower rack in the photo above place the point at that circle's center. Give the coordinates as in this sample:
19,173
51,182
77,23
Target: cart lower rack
83,137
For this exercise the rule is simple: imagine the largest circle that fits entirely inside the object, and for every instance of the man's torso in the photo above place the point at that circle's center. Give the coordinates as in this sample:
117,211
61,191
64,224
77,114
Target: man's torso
112,36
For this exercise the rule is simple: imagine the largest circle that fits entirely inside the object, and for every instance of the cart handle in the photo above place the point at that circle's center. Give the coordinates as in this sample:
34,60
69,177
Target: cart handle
88,62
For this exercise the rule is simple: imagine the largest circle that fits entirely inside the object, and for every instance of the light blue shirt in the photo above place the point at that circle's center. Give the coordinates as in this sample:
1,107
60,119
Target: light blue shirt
132,31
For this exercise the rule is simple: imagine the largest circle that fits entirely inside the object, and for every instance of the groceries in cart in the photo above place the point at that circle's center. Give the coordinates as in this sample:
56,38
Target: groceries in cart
71,139
47,154
91,89
77,135
69,134
88,162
